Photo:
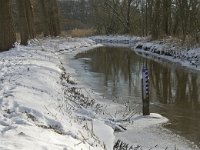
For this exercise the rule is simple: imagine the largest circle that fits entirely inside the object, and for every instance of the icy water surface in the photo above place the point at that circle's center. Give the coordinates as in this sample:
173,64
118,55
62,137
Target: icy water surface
174,90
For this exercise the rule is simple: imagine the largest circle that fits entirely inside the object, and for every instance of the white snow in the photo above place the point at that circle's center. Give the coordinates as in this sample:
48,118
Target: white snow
35,112
42,106
147,134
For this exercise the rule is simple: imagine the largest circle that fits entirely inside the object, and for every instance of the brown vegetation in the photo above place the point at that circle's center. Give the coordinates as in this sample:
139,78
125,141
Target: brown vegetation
81,32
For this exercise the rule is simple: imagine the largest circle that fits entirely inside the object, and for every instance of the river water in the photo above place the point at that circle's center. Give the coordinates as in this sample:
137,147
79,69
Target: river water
174,90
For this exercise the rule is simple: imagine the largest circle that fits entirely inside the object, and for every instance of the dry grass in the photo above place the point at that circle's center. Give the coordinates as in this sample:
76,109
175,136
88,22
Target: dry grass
80,32
191,41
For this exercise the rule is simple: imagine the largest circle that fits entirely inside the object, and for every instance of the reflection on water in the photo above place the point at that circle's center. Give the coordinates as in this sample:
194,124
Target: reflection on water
174,91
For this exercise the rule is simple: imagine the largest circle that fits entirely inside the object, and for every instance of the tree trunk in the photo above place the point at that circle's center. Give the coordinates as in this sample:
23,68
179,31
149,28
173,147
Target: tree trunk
166,16
146,18
26,22
23,23
30,19
128,16
54,15
51,17
46,28
7,33
156,20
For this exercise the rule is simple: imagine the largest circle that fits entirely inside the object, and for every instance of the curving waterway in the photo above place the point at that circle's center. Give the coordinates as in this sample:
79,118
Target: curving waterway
174,90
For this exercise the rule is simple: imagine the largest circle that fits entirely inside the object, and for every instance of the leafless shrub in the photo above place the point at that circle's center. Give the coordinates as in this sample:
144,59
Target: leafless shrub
75,95
120,145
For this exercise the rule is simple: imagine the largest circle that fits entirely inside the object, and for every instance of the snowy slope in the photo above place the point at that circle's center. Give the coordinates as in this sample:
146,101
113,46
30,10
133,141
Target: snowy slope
34,110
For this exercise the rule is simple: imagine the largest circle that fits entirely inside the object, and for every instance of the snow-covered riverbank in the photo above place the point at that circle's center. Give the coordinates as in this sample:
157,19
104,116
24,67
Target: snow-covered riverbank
167,49
43,106
37,110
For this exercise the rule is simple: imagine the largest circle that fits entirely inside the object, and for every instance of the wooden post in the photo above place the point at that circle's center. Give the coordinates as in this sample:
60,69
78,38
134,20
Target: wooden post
145,92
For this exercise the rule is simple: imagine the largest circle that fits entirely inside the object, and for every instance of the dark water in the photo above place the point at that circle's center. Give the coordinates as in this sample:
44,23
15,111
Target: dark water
174,90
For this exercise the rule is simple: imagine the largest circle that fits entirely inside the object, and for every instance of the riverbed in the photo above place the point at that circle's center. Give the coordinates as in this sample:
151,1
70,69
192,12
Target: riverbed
115,73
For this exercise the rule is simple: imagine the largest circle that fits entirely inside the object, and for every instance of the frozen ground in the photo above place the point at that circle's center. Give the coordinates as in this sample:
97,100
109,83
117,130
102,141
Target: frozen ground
43,106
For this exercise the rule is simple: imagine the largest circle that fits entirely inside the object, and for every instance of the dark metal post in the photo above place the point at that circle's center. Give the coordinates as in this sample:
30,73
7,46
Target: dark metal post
145,91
